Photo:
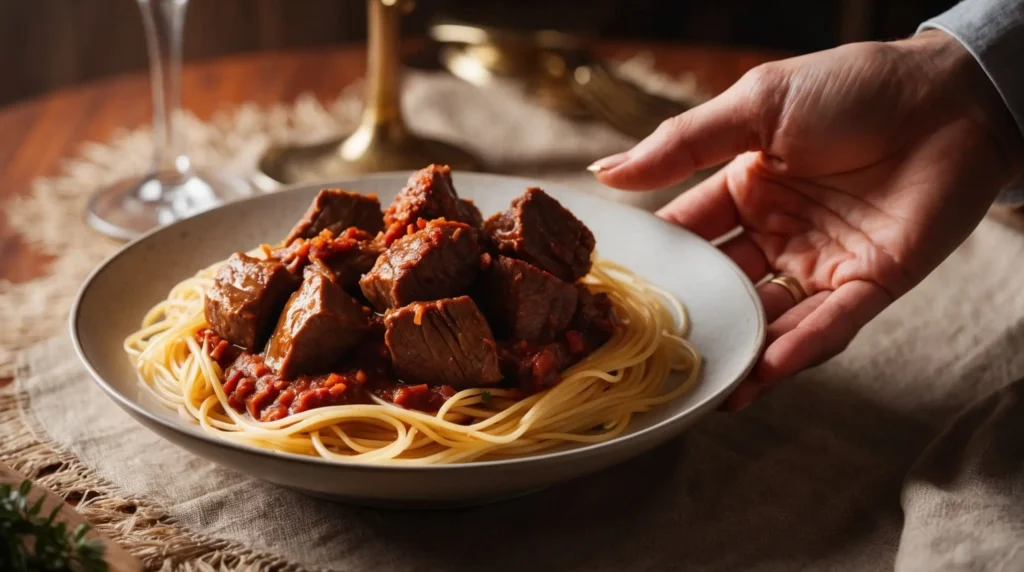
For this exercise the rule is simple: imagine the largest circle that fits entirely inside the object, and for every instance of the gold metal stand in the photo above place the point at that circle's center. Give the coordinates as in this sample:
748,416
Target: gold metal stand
382,142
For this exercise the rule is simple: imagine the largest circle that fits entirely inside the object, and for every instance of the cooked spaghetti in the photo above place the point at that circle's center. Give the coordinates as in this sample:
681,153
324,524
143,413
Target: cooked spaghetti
594,401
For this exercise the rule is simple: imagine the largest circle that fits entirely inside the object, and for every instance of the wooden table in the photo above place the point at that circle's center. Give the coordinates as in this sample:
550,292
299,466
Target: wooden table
36,135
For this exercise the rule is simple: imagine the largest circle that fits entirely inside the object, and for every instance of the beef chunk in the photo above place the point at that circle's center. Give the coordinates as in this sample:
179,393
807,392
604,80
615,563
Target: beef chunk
337,210
319,325
344,258
246,297
525,303
594,317
348,267
470,215
445,342
428,195
534,368
347,264
538,229
440,260
377,329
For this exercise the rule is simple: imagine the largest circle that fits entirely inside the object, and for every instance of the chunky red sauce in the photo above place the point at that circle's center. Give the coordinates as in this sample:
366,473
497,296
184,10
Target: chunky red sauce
324,246
222,351
254,388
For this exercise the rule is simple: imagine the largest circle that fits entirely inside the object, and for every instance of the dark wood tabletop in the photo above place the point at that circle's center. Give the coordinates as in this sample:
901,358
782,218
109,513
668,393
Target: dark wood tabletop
36,135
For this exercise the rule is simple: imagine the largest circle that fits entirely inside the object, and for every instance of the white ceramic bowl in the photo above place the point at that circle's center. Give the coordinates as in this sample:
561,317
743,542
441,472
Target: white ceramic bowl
728,328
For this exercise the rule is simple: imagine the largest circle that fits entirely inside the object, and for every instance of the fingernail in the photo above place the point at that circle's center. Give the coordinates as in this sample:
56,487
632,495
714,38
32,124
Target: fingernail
608,163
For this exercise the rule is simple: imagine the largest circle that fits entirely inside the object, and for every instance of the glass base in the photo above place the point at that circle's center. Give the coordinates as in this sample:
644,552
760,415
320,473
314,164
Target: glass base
358,154
127,209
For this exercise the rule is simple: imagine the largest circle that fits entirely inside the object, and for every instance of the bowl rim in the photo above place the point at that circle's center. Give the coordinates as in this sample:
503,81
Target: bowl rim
619,442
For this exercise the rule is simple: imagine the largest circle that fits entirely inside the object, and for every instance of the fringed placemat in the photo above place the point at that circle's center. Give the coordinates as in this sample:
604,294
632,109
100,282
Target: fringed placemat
141,526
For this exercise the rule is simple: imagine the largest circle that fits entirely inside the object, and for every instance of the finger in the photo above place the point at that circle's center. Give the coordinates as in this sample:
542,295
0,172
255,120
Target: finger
791,318
703,137
707,209
805,339
744,394
776,300
747,255
784,321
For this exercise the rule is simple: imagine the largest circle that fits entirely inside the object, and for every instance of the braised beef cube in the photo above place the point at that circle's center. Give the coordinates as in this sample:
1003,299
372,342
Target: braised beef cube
294,256
525,303
319,325
343,258
444,342
428,195
594,317
470,214
316,267
440,260
543,368
377,327
337,210
534,368
245,299
538,229
346,265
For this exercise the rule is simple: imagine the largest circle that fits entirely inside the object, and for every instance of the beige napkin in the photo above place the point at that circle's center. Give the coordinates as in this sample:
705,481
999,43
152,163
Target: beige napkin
812,477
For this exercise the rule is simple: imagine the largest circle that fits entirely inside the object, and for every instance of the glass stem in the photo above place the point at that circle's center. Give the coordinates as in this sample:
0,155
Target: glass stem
164,21
383,105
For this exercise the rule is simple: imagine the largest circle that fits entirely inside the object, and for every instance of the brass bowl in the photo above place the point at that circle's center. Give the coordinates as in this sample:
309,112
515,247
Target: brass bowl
537,59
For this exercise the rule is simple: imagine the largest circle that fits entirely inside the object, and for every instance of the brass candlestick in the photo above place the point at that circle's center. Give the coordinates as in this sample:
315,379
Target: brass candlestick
382,142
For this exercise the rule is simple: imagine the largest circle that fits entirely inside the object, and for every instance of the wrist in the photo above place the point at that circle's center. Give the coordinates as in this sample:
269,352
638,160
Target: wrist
957,84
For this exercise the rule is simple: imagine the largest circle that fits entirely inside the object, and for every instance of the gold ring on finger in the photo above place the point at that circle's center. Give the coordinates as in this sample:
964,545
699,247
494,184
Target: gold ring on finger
792,286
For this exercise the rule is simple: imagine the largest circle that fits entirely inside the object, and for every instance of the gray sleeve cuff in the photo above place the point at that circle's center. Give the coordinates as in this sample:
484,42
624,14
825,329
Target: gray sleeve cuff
993,32
1012,196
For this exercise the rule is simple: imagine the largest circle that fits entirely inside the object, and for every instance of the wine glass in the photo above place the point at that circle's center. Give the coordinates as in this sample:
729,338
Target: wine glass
173,188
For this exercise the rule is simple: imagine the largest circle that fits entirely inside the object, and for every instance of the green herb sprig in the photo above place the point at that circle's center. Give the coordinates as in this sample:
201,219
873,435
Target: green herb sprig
30,541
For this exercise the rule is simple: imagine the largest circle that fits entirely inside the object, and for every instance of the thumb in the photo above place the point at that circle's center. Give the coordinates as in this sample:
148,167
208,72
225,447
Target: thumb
705,136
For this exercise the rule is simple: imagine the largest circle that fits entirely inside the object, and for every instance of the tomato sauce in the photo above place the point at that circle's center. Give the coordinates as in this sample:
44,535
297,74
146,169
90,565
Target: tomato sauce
253,387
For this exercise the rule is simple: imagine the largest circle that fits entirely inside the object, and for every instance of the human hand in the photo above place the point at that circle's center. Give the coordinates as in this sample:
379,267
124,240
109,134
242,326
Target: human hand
855,170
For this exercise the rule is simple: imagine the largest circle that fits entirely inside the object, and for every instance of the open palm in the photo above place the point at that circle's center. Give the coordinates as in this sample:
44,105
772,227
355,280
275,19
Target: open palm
855,171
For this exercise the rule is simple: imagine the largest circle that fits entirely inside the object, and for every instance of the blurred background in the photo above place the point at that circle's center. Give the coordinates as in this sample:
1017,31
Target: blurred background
47,44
